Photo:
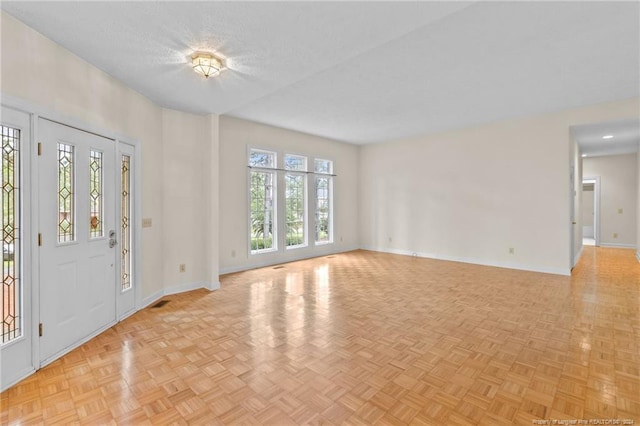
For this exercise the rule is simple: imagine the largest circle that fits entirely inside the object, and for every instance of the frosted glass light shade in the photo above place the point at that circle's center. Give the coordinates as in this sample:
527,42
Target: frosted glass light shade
206,64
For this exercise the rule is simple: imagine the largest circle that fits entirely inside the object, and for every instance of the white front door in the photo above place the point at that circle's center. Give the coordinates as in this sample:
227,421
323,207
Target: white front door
78,227
16,325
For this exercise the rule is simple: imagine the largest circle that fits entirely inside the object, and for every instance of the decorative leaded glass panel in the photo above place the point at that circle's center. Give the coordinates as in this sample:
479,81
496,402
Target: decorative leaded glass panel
66,187
125,273
95,194
11,313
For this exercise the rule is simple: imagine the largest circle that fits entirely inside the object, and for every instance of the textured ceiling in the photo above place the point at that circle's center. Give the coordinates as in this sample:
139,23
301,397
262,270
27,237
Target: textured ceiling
359,72
626,136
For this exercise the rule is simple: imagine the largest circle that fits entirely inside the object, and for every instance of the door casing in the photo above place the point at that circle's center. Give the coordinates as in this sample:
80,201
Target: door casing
596,205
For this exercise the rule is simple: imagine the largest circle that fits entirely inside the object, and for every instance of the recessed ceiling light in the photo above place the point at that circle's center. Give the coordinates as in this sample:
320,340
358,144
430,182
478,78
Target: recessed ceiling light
584,155
607,137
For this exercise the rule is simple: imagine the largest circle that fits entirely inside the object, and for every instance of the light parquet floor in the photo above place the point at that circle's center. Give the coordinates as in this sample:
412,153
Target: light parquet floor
362,338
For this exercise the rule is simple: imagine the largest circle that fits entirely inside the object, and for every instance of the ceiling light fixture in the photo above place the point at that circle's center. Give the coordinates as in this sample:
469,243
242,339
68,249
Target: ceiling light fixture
206,64
607,137
584,155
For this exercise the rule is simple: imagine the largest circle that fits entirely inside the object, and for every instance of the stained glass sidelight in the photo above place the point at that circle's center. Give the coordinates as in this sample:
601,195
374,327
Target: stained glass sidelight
95,194
66,223
126,220
11,313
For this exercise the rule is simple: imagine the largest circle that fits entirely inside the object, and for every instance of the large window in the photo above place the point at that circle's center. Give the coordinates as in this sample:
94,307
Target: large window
290,201
324,201
295,183
263,200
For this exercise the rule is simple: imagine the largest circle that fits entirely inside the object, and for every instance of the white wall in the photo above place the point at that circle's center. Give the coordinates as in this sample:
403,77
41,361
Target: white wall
186,198
460,195
473,193
618,190
235,136
37,70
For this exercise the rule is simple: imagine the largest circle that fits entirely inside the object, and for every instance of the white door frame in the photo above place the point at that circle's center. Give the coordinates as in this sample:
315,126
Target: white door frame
596,205
31,221
573,250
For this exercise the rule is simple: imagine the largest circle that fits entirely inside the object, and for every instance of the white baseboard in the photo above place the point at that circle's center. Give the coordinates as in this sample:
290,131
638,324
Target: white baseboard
556,271
617,245
151,299
180,288
271,262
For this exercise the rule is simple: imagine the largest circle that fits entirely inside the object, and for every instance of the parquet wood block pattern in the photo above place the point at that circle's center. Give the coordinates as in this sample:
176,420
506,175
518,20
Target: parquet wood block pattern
361,338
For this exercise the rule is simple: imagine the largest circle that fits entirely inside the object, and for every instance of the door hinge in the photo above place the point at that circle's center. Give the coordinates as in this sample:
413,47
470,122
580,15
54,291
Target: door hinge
39,148
40,329
39,239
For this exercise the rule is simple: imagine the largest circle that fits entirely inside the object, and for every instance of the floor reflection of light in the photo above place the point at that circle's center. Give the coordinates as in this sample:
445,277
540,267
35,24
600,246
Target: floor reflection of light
294,303
585,345
322,285
294,283
261,328
321,315
608,392
126,369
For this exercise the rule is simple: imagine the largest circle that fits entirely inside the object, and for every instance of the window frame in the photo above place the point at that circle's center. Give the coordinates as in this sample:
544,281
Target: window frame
279,221
329,176
305,202
275,217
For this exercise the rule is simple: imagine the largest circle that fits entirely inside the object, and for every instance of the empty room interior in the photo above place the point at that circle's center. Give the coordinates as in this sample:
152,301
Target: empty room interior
359,213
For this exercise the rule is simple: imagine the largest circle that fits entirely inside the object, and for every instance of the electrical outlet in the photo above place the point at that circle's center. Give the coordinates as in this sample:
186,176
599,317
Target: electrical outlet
340,239
615,235
233,253
512,250
183,267
390,239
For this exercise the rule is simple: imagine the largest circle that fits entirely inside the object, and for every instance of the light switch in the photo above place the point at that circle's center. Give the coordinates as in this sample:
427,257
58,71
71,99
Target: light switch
620,211
146,222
